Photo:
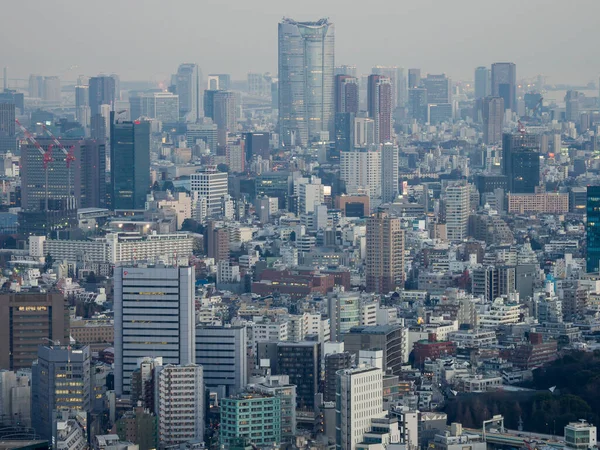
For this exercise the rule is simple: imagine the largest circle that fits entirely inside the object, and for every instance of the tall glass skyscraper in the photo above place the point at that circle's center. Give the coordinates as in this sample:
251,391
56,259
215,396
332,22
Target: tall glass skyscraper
504,84
187,82
593,229
306,91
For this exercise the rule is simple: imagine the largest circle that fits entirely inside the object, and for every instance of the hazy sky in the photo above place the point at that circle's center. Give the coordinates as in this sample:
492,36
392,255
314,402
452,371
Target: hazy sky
147,39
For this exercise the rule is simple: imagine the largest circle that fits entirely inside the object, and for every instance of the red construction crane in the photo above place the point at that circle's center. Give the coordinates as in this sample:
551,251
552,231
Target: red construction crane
69,157
46,155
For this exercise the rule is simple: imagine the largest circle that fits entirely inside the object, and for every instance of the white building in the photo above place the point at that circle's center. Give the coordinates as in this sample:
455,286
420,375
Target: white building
457,211
154,316
179,394
211,184
310,194
500,312
361,171
390,160
344,313
15,395
359,399
227,272
368,314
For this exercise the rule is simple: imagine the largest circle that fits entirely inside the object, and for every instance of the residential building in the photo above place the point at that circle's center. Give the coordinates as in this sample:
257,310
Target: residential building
211,184
392,339
154,316
493,120
390,159
360,170
545,202
139,426
457,211
346,94
334,362
380,106
385,254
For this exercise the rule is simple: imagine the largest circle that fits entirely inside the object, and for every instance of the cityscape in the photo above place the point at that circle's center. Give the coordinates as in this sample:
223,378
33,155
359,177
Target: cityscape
318,255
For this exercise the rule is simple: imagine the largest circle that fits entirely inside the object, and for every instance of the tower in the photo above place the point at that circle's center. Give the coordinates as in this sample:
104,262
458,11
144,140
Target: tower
102,91
346,94
390,159
521,162
187,85
493,119
385,254
482,83
306,64
504,84
457,211
379,103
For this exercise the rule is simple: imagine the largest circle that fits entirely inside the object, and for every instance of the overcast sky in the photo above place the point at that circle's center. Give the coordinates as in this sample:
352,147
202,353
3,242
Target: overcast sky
147,39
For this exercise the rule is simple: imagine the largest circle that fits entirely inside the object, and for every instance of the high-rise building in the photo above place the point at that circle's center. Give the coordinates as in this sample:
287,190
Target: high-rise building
380,106
259,84
279,386
346,94
82,105
187,82
392,340
8,139
346,69
206,132
457,211
130,163
59,380
417,105
92,178
224,114
482,83
36,86
359,399
334,362
162,106
344,313
414,78
212,185
504,84
360,170
257,144
593,229
179,393
390,160
306,84
301,361
344,131
521,161
154,316
51,89
364,132
493,119
216,241
439,89
219,81
102,91
221,351
19,340
385,254
393,73
254,416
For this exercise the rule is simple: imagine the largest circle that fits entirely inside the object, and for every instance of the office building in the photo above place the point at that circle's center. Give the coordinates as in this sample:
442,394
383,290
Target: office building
439,89
211,184
206,132
593,229
346,94
59,380
457,211
187,86
162,106
344,313
521,162
482,83
216,241
8,139
139,426
380,106
306,81
493,120
385,254
417,105
390,160
221,351
334,362
219,81
130,161
414,78
36,86
360,170
358,401
15,397
19,341
254,416
581,435
257,144
440,113
102,91
154,316
344,132
51,89
364,132
280,387
346,69
179,393
391,339
504,84
301,361
259,84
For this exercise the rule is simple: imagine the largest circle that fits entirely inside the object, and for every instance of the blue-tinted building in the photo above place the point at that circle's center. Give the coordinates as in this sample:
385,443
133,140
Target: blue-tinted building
593,229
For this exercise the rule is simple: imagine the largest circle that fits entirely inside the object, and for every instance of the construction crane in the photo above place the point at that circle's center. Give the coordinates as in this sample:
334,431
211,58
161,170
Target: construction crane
69,158
521,127
46,155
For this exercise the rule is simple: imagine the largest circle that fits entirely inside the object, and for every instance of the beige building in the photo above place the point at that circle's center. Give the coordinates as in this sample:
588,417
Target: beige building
547,202
91,332
385,253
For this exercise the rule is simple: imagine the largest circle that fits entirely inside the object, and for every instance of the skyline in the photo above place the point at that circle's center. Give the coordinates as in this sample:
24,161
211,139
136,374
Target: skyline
455,38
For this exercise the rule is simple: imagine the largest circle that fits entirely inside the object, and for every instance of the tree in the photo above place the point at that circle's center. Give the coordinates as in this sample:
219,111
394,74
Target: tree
49,262
222,167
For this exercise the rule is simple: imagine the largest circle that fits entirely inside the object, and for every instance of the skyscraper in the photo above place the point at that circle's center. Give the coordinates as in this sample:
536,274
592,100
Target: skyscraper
102,91
417,105
212,185
344,131
187,82
493,120
379,103
504,84
345,69
162,106
346,94
393,74
130,161
439,89
457,211
482,83
390,160
385,254
360,170
154,316
52,89
593,229
8,139
60,380
306,64
19,341
521,162
414,78
219,81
